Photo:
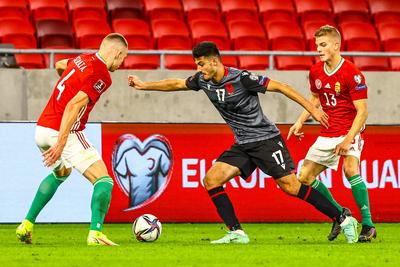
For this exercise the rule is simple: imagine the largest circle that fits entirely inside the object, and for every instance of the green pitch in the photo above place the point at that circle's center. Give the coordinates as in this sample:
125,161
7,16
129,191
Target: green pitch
188,245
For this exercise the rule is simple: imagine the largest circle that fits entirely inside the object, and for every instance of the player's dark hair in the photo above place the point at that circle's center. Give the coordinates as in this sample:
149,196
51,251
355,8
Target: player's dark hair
117,37
205,49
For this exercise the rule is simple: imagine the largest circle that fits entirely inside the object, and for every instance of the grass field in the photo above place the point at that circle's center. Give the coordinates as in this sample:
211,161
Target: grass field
188,245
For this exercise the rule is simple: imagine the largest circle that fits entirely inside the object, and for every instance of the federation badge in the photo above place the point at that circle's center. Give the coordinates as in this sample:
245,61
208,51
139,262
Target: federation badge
99,85
337,88
253,77
357,79
318,84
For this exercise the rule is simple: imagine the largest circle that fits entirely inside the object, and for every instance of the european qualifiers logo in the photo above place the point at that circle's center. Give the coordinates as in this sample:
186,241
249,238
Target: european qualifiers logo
142,169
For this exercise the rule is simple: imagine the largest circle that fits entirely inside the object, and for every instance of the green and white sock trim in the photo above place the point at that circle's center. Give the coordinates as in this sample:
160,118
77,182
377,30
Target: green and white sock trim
315,183
355,180
60,178
104,179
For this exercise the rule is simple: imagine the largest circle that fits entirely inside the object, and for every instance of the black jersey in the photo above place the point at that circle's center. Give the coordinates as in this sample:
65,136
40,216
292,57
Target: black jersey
236,99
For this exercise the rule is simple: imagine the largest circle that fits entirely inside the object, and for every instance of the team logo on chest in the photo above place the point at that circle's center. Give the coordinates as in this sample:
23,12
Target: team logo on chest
318,84
337,88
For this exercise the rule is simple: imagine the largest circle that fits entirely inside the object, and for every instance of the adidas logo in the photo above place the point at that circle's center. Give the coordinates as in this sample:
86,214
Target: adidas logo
364,207
283,165
280,143
327,85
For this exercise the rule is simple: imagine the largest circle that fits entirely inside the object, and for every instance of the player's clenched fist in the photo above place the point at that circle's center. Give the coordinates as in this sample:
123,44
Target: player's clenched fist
135,81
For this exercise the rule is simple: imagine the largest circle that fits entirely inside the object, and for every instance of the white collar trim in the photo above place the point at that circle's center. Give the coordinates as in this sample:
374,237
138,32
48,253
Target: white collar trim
335,70
99,57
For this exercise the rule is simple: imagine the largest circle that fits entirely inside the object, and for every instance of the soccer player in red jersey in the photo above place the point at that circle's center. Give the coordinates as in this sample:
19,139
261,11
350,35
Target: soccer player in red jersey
59,134
338,86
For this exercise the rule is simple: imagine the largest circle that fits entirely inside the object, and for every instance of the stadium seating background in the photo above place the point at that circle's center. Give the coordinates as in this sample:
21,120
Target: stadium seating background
366,25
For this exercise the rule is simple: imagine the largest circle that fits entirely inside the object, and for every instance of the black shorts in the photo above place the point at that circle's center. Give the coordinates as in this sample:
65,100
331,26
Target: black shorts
271,156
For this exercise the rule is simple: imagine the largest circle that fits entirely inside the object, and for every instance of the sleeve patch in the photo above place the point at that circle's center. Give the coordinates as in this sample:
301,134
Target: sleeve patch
99,85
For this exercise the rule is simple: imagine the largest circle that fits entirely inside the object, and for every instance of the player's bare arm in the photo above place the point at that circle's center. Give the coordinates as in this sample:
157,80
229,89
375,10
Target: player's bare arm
61,65
69,117
296,127
163,85
358,123
291,93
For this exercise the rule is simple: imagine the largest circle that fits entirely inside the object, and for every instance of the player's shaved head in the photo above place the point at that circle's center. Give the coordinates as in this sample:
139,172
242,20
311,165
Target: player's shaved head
114,39
328,30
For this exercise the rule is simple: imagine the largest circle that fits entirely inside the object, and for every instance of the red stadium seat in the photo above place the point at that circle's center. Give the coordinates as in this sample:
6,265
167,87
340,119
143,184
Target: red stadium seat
90,32
252,62
390,38
138,35
48,9
359,36
271,10
163,9
287,36
13,9
170,33
83,9
314,10
243,32
200,9
384,10
382,18
126,9
210,30
239,9
54,34
136,32
30,61
349,11
18,32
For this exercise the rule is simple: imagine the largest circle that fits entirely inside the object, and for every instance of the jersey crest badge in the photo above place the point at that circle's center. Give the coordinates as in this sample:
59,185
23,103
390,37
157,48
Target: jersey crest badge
357,79
318,84
253,77
337,88
99,85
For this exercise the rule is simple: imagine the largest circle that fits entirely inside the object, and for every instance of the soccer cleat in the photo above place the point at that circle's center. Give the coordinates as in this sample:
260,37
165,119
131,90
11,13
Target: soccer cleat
97,238
232,237
336,229
349,228
24,232
367,233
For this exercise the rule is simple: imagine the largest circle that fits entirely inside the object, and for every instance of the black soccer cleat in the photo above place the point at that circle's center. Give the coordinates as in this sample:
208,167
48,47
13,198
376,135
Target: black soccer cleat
336,229
367,233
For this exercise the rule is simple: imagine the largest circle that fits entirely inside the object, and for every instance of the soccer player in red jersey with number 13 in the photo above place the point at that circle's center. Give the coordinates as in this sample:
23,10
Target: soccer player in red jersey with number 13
339,87
59,134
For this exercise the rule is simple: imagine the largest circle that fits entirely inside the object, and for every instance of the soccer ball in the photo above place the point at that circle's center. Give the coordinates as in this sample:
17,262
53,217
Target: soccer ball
146,228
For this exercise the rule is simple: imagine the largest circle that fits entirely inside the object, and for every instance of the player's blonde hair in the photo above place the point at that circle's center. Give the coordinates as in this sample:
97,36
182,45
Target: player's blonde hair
328,30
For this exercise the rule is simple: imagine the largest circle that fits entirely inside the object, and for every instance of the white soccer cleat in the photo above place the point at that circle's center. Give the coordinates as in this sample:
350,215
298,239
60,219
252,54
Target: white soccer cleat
349,228
232,237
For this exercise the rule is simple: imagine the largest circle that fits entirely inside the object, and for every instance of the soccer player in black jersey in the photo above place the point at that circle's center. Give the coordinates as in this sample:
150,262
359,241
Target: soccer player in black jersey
258,142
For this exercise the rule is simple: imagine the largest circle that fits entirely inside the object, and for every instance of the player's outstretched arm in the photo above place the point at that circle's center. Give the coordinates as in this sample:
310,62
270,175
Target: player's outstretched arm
163,85
61,65
295,129
291,93
69,117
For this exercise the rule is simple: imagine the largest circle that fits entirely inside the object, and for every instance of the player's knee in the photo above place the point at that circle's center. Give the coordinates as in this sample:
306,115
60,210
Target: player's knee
289,186
350,172
62,174
305,178
210,182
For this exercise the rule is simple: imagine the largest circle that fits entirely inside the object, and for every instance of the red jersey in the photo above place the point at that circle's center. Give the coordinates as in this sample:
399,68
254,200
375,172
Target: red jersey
87,73
337,90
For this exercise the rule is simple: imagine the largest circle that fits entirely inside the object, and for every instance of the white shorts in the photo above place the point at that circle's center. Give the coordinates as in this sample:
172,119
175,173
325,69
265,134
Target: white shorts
323,150
78,151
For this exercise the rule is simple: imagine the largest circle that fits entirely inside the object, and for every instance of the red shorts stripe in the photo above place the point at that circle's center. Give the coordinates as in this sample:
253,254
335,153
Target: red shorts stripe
82,139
